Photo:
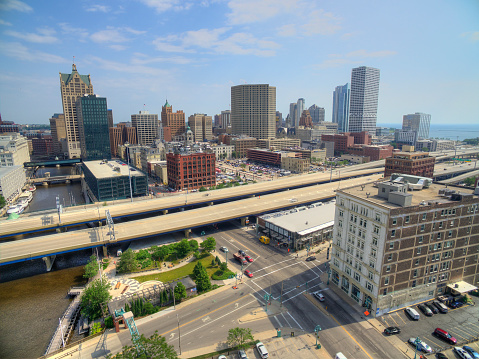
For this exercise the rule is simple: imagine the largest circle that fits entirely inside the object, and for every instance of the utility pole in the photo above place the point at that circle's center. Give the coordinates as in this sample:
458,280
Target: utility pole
179,334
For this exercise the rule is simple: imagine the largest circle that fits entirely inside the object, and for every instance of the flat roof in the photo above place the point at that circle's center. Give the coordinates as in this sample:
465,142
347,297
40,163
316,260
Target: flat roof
305,221
101,169
5,170
461,287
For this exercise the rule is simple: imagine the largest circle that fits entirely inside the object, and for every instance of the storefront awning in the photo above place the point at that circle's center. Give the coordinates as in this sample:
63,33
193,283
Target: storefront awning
461,287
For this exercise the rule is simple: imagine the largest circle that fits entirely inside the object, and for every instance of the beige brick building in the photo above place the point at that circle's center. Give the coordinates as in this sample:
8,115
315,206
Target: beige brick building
295,165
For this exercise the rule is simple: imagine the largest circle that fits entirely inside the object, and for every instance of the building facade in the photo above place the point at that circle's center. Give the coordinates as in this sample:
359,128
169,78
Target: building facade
416,164
175,121
59,134
341,96
295,165
364,99
418,122
317,114
300,107
146,126
73,86
92,115
393,248
225,119
12,180
13,150
187,171
223,151
202,127
253,110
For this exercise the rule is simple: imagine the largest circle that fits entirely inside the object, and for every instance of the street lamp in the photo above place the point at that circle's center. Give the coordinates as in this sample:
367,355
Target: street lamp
317,330
417,342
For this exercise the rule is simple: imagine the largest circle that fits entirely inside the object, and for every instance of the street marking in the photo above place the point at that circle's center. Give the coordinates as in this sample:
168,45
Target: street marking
278,263
298,323
400,317
205,319
172,335
311,269
394,320
454,331
289,325
387,324
352,337
277,270
277,320
242,244
259,300
236,305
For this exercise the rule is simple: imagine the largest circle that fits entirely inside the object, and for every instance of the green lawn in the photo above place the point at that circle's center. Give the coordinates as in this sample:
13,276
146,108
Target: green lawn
179,272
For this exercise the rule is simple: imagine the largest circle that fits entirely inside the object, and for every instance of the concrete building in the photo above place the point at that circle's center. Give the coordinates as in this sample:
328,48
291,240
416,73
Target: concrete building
187,171
202,127
93,124
427,145
73,86
59,135
403,137
120,135
175,121
317,114
313,134
42,146
12,180
273,158
291,120
305,121
394,248
225,118
345,140
242,144
341,97
355,159
298,227
418,122
300,107
223,151
106,181
295,165
278,143
383,131
415,163
253,110
443,145
364,99
146,126
150,154
13,150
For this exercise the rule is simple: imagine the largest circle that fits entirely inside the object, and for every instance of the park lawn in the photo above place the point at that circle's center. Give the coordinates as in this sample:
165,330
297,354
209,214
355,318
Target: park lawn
180,272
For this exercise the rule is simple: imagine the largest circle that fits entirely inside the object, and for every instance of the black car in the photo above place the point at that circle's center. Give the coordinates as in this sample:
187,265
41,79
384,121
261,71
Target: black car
425,310
441,356
454,305
392,330
432,307
310,259
241,252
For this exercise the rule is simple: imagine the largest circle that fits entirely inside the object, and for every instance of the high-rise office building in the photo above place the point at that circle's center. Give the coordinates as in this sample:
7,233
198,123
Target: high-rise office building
364,99
225,119
146,125
300,107
59,134
93,129
419,122
306,120
110,118
73,86
253,110
341,97
292,114
202,127
317,114
174,120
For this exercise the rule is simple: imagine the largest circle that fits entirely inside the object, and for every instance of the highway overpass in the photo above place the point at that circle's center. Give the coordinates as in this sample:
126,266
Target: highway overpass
48,245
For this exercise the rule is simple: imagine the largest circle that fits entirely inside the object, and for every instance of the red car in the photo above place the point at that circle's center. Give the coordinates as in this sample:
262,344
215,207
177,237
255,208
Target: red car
248,273
248,258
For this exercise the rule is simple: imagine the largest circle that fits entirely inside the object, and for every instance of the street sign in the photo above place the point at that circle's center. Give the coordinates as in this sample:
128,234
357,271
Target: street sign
266,297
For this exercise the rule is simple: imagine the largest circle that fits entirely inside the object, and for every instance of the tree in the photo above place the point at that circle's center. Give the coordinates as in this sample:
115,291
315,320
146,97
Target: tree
94,297
160,253
128,262
182,248
223,266
218,260
239,337
2,202
202,279
198,269
180,291
91,268
470,181
154,347
193,245
209,244
425,149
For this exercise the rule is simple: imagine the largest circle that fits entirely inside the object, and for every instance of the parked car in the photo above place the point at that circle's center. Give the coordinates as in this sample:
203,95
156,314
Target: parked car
222,357
440,306
412,313
263,353
241,252
471,351
420,345
248,258
309,259
248,273
392,330
441,356
224,249
461,353
455,305
432,307
425,310
319,296
442,334
242,354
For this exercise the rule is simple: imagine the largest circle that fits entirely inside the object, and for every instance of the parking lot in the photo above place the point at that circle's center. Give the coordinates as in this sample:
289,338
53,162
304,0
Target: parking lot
462,323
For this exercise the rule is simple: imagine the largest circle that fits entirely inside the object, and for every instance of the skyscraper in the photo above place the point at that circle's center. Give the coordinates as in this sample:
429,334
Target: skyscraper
146,125
364,99
73,86
174,120
292,114
419,122
94,134
300,107
341,107
317,114
253,110
225,119
59,134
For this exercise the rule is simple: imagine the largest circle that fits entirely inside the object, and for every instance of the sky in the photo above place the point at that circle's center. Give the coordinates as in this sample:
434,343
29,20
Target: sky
141,52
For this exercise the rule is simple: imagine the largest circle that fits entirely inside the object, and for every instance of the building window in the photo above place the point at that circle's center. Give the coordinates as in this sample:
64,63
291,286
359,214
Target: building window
371,275
348,271
378,217
373,252
414,274
391,245
414,284
357,277
386,281
423,227
393,233
372,264
390,257
375,241
417,262
420,239
395,221
341,213
438,236
418,250
406,220
369,286
388,268
449,234
376,229
424,216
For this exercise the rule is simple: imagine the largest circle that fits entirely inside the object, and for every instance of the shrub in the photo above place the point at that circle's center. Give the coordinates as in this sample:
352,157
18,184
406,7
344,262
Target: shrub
109,322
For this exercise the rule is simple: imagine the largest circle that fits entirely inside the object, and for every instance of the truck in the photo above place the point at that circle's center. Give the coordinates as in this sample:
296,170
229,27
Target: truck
264,239
240,259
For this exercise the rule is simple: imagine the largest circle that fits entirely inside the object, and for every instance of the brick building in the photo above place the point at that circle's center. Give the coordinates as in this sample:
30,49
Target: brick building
374,153
191,170
416,163
42,146
347,139
174,120
273,158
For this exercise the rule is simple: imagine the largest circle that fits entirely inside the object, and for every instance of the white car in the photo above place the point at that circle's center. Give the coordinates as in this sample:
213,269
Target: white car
224,249
462,353
421,345
319,296
263,353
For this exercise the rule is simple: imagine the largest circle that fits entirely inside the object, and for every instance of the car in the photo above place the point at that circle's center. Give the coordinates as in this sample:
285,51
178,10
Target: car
241,252
242,354
309,259
392,330
444,335
441,356
319,296
248,273
263,353
425,310
420,345
222,357
224,249
248,258
455,305
471,351
461,353
432,307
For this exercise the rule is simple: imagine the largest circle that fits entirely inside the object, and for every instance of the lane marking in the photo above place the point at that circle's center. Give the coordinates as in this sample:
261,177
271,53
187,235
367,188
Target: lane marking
387,324
289,325
278,263
351,337
241,244
297,322
277,320
277,270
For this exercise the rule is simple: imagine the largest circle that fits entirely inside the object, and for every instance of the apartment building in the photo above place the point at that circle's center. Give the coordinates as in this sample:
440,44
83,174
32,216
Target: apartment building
415,163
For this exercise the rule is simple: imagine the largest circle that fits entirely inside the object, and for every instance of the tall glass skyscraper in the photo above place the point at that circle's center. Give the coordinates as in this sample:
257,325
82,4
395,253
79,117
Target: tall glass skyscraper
363,108
341,107
419,122
300,107
93,127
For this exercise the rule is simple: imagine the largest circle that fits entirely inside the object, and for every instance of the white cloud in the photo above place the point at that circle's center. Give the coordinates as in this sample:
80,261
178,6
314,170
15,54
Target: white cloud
352,58
6,23
117,47
335,62
248,11
321,22
127,68
164,5
113,34
364,53
287,30
98,8
21,52
80,33
143,59
471,35
214,41
17,5
44,36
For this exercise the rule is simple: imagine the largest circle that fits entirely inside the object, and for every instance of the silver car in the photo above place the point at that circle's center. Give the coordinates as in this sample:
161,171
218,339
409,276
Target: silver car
242,354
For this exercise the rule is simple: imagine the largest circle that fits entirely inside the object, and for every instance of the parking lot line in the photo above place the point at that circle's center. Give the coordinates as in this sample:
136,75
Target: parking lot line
454,331
433,342
393,320
400,317
475,326
387,324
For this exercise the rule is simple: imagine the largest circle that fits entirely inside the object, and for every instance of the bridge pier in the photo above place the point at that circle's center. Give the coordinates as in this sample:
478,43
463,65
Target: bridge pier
105,251
49,260
45,183
165,211
187,233
244,221
210,203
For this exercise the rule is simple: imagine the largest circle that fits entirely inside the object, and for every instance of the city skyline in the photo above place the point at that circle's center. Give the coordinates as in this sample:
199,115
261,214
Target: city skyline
192,53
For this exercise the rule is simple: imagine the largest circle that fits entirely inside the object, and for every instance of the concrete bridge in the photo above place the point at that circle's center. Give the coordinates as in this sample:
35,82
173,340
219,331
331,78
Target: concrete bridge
55,179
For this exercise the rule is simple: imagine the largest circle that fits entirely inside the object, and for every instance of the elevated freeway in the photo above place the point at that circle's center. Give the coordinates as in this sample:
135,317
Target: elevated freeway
75,216
49,245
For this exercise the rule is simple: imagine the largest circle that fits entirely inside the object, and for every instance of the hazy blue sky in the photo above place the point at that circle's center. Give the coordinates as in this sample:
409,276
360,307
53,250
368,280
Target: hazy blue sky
191,52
